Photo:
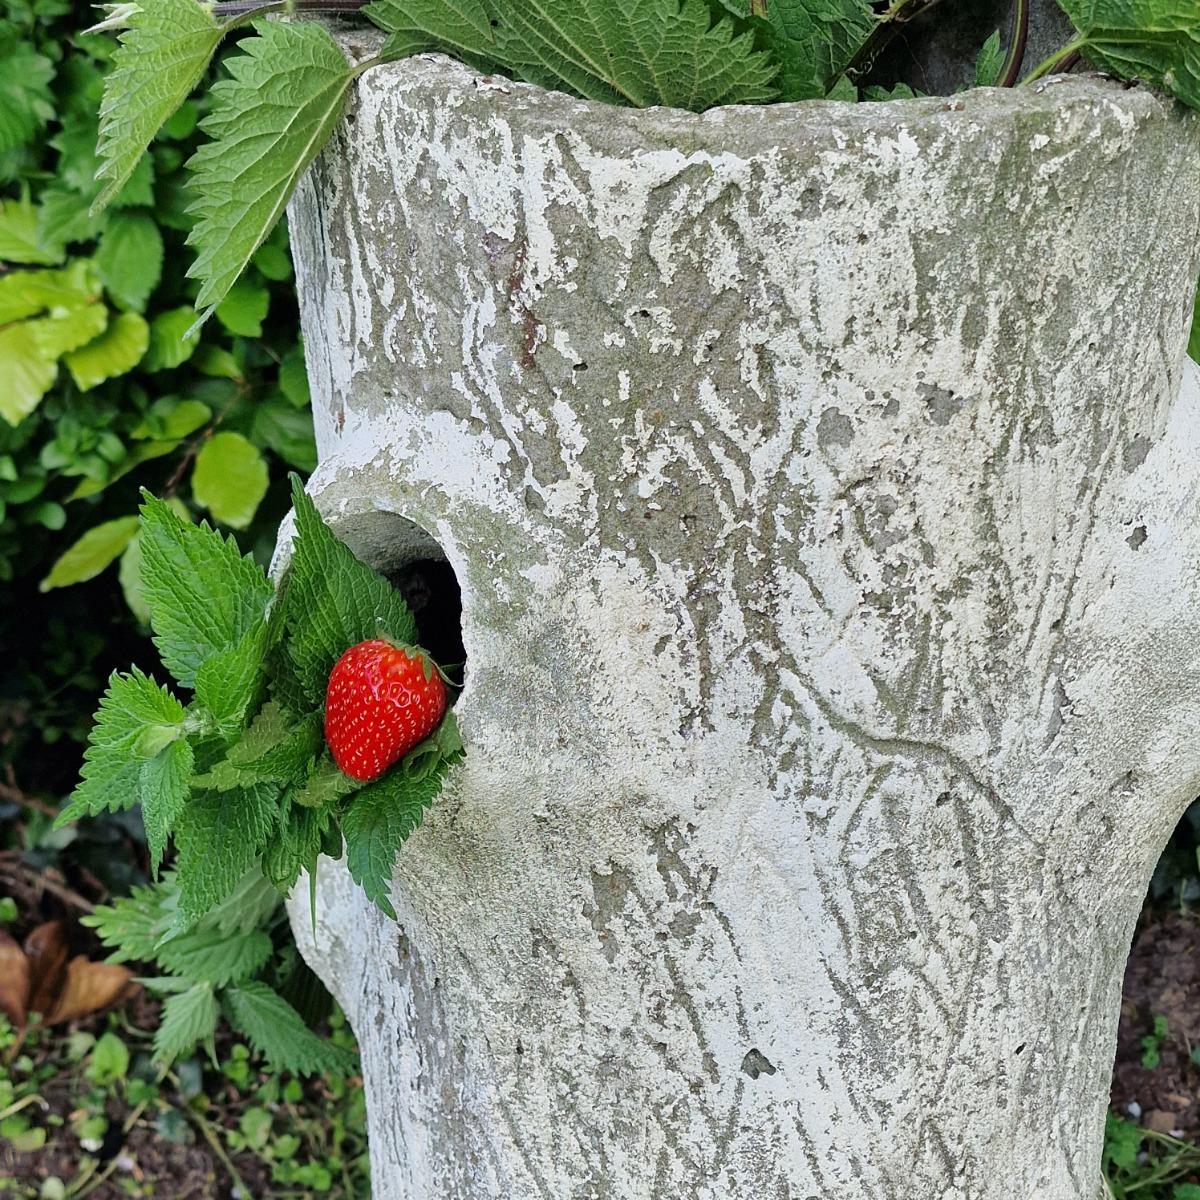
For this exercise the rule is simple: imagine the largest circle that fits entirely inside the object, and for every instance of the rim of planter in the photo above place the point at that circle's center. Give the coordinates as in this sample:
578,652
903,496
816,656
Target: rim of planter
761,127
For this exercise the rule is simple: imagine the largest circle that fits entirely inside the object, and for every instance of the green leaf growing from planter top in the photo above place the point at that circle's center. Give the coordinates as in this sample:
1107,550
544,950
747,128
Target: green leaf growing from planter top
268,122
1157,41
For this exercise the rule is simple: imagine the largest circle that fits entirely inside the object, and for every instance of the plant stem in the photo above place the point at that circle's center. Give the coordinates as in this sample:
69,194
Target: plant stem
1048,65
898,14
240,8
1016,50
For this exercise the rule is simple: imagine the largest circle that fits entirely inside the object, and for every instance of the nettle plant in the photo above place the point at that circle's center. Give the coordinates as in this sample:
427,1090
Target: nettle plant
288,84
286,684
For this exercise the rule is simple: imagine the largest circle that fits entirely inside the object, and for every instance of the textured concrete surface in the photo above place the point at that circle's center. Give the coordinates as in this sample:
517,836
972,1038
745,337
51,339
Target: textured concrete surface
824,487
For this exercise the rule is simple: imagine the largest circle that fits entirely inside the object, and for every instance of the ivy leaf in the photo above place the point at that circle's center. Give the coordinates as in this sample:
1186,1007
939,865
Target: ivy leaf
230,479
91,553
219,835
188,1019
378,823
268,122
333,601
636,52
130,259
166,45
458,27
116,351
1157,41
204,597
277,1030
119,749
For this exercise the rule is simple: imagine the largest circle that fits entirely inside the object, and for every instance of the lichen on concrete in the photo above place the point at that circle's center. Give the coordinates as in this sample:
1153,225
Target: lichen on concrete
824,719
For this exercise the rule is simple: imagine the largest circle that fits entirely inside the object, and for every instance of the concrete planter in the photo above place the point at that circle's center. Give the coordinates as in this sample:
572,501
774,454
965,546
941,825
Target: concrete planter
823,483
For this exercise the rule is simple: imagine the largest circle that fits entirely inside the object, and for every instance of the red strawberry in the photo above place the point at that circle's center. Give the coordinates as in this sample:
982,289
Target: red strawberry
382,700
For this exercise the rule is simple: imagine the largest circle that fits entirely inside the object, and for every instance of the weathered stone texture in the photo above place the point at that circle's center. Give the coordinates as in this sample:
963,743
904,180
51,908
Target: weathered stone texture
827,511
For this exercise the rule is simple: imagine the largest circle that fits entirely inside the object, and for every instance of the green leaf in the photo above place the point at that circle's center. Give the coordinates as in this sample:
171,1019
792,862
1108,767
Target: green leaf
26,103
130,259
218,836
129,575
112,775
164,787
276,1029
27,293
231,681
133,925
268,122
172,419
109,1061
1194,342
333,601
91,554
293,378
230,479
65,331
244,309
324,785
116,351
378,823
166,45
636,52
30,374
990,62
458,27
188,1019
443,748
171,342
204,596
21,240
1157,41
296,845
214,957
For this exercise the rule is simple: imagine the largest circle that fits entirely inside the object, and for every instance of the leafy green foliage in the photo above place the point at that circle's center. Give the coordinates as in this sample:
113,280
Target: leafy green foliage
189,1019
1157,41
230,479
275,1028
269,121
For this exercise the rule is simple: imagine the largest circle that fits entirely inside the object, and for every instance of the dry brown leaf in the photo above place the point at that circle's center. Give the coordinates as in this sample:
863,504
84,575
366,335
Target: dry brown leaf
91,986
14,981
47,951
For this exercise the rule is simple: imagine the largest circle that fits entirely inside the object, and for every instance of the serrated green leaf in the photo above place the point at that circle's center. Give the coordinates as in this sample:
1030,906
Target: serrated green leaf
1156,41
66,331
276,1030
28,293
26,103
21,240
164,787
230,682
440,750
130,259
324,785
129,575
166,45
378,822
333,601
63,215
204,596
268,122
91,553
990,62
462,28
171,343
188,1019
219,835
244,309
296,845
214,957
230,479
635,52
133,925
115,352
248,906
112,777
30,374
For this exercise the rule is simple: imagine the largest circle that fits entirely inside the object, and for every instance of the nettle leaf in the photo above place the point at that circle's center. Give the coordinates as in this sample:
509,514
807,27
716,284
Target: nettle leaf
219,835
214,957
276,746
230,682
990,62
137,723
130,259
277,1030
230,479
378,822
1157,41
188,1019
268,122
324,785
115,352
333,601
636,52
166,45
302,834
204,597
165,784
133,925
91,554
462,28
